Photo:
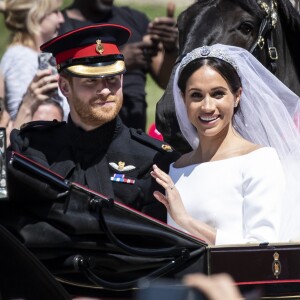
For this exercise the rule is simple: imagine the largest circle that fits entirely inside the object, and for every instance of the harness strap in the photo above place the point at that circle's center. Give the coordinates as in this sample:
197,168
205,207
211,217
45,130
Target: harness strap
266,34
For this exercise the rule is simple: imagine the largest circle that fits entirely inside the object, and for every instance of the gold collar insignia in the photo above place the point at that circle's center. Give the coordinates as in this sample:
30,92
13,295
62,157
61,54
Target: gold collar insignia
167,148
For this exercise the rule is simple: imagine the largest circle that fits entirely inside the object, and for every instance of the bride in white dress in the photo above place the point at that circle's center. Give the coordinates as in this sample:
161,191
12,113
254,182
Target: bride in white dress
237,117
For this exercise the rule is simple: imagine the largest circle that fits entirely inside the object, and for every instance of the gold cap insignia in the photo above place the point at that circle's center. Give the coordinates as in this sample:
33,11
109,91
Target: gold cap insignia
167,148
99,47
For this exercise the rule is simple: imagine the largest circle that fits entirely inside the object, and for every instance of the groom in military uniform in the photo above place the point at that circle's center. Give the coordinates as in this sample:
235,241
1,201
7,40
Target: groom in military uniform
94,148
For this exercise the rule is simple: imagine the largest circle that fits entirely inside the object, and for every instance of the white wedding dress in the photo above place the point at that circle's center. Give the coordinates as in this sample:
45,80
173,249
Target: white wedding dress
239,196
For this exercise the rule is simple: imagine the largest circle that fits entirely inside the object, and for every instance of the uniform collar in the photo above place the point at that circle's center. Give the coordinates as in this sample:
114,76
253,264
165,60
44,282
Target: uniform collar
99,137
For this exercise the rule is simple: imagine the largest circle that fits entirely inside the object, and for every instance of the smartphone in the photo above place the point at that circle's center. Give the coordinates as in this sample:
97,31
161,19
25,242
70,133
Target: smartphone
47,61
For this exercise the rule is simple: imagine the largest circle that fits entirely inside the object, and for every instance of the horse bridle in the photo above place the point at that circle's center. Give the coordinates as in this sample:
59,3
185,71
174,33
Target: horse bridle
266,33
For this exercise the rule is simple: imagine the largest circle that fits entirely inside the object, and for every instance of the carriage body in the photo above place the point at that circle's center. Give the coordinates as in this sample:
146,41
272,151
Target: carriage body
122,246
273,269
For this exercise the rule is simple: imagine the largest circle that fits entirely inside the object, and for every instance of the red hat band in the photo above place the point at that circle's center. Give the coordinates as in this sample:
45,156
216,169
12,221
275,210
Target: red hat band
97,49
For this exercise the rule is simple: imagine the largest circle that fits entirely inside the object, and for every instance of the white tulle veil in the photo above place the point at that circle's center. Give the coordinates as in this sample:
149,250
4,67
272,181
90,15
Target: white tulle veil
268,115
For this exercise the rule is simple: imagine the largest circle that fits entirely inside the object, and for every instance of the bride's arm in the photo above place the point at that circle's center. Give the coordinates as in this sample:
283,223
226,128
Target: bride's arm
177,211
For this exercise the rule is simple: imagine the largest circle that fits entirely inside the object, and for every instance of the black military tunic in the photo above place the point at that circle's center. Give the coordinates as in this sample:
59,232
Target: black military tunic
113,160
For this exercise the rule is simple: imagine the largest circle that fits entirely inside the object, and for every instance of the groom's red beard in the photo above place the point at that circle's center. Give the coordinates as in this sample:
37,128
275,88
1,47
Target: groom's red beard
98,112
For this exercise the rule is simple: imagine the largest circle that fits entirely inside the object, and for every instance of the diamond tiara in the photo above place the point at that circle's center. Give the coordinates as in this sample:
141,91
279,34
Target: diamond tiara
207,51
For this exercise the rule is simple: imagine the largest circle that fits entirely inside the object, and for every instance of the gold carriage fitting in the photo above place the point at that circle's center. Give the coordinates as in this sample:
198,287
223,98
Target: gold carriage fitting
115,247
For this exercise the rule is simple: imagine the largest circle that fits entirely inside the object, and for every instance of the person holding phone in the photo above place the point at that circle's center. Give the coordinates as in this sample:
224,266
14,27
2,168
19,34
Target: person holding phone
31,23
5,121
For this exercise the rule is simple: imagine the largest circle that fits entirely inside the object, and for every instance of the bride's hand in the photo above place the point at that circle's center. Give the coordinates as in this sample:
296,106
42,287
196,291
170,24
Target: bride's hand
176,209
171,200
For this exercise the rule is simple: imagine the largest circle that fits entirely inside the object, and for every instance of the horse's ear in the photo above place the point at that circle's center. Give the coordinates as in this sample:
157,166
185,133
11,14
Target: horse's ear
181,25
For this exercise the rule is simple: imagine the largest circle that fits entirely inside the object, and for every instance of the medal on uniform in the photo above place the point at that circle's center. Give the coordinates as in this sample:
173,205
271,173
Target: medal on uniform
121,178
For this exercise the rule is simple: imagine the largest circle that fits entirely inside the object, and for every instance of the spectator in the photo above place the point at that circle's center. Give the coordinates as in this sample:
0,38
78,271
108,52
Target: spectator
5,120
152,48
42,110
33,100
226,104
48,110
2,105
215,287
31,22
1,85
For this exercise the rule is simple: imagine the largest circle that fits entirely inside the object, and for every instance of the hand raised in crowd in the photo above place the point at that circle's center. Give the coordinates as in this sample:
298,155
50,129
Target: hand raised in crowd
5,120
215,287
39,90
4,116
138,55
163,30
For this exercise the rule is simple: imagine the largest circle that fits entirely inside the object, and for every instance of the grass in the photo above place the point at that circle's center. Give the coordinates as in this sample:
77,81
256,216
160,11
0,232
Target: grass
153,91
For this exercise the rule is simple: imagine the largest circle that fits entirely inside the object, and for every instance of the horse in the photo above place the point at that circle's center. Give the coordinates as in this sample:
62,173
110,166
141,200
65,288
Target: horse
269,29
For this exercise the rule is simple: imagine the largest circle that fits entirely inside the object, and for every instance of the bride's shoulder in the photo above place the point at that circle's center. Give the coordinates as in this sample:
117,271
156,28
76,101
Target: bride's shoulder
255,150
248,147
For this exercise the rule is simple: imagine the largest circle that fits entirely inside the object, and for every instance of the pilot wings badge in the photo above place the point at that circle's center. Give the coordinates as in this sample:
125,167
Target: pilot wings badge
121,166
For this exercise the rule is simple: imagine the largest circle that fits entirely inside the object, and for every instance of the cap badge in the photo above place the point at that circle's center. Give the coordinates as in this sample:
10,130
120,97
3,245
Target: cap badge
99,47
121,166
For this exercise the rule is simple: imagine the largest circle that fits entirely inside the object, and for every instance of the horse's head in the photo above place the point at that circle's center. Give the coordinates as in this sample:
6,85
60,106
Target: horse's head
269,28
222,21
232,22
